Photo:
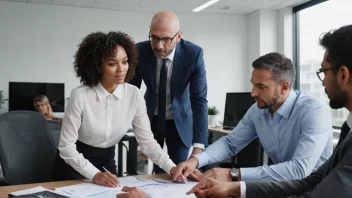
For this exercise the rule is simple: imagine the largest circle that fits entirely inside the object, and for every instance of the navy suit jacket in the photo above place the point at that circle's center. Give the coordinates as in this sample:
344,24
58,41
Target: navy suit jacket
188,89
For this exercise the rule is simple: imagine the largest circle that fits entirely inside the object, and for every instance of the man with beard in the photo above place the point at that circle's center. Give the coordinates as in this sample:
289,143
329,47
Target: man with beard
294,129
334,177
174,73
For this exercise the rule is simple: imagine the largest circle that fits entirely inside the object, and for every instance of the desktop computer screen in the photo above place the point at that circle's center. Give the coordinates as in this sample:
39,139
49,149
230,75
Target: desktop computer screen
22,94
236,106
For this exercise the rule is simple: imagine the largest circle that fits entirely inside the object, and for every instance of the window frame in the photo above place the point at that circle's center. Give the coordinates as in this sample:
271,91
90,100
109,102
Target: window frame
296,39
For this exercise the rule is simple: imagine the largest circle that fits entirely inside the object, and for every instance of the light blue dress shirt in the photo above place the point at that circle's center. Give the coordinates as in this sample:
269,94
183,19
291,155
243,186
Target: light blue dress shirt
297,138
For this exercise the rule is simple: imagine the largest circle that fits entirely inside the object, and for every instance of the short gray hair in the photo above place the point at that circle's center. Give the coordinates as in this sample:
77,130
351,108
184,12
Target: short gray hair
281,67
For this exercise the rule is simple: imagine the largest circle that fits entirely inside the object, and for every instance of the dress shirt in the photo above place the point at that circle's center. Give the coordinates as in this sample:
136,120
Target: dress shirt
349,121
169,64
297,138
100,119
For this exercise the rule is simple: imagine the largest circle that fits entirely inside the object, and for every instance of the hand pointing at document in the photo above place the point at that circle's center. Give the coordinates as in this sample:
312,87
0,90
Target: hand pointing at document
187,169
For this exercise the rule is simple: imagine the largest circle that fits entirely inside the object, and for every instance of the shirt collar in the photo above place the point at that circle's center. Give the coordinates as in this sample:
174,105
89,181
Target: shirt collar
102,93
170,56
287,106
349,120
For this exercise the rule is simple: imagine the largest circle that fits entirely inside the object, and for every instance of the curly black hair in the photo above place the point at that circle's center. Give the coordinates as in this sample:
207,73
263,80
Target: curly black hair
97,46
338,43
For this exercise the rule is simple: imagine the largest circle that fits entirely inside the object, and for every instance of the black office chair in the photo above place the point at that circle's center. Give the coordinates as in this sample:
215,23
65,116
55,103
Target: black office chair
27,148
131,155
249,156
55,128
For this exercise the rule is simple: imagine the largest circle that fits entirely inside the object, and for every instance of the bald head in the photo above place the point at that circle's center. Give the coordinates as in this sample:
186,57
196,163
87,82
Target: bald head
166,19
164,33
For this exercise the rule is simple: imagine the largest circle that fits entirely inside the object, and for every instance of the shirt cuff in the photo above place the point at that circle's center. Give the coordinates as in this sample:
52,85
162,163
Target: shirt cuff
90,171
168,166
248,174
198,145
243,188
202,158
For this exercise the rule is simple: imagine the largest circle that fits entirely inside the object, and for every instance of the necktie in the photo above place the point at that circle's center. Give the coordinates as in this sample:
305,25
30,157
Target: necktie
345,129
162,99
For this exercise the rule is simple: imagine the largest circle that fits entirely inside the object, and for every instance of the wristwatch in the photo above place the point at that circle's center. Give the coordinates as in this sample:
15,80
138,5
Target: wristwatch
234,174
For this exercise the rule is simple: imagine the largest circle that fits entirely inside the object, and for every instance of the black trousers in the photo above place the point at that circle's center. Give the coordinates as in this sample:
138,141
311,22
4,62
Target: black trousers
99,157
176,149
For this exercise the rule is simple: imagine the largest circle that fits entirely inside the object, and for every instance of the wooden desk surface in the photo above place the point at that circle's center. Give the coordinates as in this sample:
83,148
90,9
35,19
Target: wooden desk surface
4,191
218,130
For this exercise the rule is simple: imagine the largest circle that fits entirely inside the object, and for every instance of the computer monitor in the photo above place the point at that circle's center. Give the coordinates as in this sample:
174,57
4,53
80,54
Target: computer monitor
236,106
22,94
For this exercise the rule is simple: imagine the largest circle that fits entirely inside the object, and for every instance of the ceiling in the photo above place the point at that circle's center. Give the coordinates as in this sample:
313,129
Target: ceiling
179,6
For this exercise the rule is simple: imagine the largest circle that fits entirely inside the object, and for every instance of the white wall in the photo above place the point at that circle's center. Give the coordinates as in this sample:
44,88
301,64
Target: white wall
253,40
38,41
269,31
285,30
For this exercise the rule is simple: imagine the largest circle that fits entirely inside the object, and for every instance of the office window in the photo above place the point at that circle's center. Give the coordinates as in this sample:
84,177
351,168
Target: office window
313,19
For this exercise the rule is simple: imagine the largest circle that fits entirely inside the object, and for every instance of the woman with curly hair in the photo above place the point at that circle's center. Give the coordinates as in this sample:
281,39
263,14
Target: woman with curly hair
101,110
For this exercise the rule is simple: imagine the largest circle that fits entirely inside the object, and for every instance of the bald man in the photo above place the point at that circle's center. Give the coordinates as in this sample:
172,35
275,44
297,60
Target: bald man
174,73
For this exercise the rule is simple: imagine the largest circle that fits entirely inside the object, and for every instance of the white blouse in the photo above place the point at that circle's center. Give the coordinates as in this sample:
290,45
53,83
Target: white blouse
100,119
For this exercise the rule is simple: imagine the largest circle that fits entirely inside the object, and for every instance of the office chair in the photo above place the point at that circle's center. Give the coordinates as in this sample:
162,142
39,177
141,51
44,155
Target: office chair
27,148
55,128
249,156
131,155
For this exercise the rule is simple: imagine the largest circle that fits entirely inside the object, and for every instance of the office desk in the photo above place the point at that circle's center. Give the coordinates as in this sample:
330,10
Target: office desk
218,130
4,191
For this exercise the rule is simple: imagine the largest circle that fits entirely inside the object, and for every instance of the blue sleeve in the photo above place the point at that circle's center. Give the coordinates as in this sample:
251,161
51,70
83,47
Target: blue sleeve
199,103
229,145
316,132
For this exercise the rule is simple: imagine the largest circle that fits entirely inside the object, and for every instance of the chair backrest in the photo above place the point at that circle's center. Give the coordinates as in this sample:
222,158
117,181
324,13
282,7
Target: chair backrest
27,148
251,155
55,127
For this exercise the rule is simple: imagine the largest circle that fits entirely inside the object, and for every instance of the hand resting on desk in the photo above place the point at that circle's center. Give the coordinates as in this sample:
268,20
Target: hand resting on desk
132,192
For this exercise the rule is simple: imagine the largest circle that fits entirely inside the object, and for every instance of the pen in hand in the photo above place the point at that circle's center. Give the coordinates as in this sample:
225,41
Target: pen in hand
106,170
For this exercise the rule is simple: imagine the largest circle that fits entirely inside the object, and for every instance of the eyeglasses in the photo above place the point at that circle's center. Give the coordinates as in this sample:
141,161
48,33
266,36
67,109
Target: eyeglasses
321,74
164,40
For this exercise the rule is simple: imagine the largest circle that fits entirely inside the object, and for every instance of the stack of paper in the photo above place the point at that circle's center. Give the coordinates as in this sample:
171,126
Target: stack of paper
154,188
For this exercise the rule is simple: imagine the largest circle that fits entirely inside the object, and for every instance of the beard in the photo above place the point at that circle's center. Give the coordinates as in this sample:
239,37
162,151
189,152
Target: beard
272,102
337,102
163,51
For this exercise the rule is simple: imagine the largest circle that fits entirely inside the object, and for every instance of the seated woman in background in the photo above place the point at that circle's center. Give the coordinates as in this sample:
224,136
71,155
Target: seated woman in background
100,112
42,105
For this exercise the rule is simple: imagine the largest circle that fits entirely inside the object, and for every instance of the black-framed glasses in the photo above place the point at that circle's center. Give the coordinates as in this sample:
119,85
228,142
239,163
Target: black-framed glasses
164,40
321,74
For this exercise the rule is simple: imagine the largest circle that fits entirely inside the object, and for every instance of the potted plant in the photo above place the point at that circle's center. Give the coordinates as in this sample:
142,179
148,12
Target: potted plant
212,112
2,100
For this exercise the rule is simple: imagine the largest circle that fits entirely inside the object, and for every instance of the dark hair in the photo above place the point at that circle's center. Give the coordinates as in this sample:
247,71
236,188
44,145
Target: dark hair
97,46
281,66
338,43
